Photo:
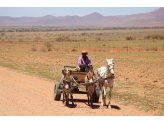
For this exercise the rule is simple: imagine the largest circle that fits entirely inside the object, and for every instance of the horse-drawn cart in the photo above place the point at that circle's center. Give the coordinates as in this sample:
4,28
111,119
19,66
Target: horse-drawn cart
78,80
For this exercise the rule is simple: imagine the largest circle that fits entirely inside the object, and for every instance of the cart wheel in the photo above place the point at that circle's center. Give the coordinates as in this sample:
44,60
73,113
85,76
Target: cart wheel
96,95
57,92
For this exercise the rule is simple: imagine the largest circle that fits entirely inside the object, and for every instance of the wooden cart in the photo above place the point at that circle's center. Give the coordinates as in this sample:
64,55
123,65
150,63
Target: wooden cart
79,79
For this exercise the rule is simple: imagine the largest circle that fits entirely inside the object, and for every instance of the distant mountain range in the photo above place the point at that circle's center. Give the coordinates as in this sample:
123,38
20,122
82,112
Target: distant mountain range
155,18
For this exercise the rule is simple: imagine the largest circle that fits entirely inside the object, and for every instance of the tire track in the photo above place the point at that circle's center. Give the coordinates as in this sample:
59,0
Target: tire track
24,95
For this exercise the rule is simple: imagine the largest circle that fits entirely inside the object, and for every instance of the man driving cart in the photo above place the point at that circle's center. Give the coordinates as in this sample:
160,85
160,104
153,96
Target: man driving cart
84,61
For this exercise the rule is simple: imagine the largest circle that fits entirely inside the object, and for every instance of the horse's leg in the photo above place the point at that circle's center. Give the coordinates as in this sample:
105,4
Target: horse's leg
92,96
91,100
72,98
63,96
67,97
104,96
109,106
88,98
90,91
87,94
101,93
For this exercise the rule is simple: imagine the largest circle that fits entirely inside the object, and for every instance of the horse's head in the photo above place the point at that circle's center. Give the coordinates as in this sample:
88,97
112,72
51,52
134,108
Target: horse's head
89,74
110,65
67,78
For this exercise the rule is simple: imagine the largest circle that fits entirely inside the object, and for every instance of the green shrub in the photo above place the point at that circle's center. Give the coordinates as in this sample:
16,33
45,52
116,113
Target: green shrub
98,38
56,49
147,37
67,38
43,49
9,41
73,50
154,48
83,34
21,40
125,46
99,34
3,40
37,38
130,38
158,37
33,48
49,45
155,36
82,40
147,49
2,34
59,39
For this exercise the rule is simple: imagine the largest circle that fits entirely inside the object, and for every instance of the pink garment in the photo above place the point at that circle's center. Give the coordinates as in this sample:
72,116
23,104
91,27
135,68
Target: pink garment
87,61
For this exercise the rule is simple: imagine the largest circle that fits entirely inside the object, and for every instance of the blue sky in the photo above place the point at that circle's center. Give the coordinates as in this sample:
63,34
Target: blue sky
63,11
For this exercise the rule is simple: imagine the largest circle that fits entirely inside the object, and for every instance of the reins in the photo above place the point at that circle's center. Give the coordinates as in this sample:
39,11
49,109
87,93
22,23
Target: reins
109,76
66,80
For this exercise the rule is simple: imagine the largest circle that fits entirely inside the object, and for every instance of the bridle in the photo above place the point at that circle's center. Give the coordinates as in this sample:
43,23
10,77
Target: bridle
88,80
69,82
111,69
65,80
92,77
110,66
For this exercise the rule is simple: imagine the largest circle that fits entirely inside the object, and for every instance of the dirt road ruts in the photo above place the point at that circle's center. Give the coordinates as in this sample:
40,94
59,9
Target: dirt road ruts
25,95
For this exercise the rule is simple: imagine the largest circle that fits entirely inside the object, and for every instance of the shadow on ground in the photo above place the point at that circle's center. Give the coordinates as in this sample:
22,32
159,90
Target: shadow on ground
95,105
115,107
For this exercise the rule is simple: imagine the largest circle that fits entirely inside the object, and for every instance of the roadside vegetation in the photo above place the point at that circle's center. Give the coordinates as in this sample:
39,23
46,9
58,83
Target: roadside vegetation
155,36
138,62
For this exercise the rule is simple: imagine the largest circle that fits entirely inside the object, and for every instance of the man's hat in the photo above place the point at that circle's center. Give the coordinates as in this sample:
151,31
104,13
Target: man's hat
84,51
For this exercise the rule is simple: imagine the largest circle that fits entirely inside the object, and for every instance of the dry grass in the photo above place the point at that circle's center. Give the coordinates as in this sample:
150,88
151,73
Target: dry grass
139,71
44,49
33,48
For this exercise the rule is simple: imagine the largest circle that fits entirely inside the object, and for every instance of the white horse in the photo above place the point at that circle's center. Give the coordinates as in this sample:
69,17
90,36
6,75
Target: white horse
105,72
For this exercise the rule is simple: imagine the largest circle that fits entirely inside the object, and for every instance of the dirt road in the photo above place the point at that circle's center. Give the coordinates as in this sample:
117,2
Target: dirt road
24,95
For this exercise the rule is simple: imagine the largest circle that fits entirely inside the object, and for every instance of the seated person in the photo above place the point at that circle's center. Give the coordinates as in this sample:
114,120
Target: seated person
84,61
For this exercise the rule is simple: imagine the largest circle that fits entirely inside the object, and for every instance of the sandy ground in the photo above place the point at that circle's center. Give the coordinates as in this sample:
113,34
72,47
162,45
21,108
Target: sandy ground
24,95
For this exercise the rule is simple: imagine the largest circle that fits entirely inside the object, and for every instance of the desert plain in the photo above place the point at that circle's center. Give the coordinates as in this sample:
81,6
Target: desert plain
139,65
